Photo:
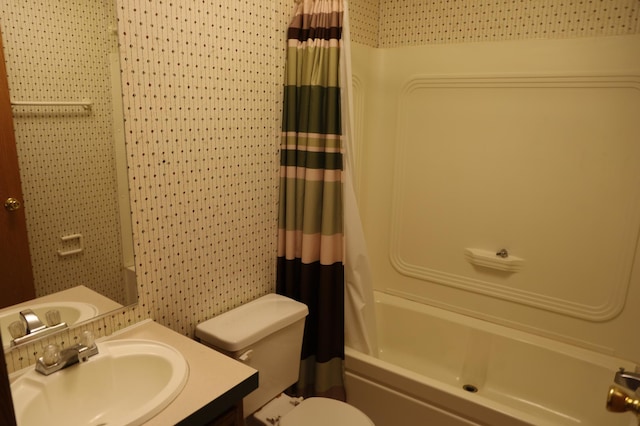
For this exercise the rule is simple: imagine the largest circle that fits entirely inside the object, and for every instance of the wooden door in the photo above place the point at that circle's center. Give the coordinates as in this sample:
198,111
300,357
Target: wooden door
16,275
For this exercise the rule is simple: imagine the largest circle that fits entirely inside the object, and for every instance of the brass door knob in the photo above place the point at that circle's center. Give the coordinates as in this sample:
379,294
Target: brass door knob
11,204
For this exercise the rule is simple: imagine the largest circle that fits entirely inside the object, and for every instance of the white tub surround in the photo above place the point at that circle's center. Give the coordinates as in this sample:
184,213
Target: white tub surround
527,148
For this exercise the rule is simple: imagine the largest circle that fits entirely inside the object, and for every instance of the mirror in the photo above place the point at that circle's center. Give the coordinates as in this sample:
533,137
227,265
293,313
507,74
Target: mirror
63,71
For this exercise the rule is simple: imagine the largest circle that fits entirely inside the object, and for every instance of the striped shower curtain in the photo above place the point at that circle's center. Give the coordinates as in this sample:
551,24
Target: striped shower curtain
310,227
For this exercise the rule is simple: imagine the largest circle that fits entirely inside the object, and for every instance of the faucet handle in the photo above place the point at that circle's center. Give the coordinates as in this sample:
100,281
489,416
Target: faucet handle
51,355
53,317
87,347
87,339
17,329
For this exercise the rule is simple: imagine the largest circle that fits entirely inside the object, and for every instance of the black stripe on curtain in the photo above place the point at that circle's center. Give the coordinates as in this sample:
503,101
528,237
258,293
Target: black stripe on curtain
321,287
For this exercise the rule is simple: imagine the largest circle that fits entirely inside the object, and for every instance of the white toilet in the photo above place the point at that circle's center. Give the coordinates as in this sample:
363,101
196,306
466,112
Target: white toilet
266,334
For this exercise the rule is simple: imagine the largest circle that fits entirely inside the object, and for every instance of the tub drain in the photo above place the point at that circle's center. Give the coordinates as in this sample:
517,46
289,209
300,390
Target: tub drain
470,388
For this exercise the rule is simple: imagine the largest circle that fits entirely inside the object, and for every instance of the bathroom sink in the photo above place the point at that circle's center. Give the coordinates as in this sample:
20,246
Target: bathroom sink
126,383
70,312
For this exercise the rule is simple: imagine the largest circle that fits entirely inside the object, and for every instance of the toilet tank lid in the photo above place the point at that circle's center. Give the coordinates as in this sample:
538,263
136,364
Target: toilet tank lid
238,328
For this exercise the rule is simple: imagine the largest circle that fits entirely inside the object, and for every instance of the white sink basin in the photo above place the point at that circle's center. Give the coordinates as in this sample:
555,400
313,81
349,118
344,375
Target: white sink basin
70,312
127,383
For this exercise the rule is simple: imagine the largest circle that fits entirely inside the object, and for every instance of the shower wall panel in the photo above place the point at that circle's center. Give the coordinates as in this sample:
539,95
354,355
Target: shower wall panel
528,146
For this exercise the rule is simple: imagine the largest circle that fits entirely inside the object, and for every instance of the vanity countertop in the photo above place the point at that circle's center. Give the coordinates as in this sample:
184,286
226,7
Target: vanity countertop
216,382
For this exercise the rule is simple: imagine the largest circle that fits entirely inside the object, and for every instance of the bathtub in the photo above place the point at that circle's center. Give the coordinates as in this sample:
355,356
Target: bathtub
439,368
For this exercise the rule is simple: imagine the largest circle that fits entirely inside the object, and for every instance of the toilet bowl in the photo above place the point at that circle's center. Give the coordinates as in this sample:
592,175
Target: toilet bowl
266,334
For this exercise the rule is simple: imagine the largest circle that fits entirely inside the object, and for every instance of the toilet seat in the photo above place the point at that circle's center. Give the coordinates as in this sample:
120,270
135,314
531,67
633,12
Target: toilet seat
323,412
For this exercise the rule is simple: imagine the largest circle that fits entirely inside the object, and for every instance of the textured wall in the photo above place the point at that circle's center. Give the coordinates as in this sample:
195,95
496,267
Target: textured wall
416,22
202,94
364,17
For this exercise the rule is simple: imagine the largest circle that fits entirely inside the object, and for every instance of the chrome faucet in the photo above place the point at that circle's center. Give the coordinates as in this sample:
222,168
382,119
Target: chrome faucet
32,321
53,359
627,379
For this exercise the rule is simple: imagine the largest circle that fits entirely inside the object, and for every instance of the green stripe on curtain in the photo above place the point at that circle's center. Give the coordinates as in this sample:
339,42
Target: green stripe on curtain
312,109
310,219
303,214
307,71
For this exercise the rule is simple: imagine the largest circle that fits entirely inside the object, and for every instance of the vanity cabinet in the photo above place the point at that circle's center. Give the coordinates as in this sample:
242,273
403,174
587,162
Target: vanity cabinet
233,417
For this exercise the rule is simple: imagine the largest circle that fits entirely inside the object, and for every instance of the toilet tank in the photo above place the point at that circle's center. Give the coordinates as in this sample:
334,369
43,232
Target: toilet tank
265,334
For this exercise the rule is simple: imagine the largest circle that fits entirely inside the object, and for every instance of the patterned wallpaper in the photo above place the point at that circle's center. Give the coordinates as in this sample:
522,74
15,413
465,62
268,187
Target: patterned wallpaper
416,22
202,89
364,17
